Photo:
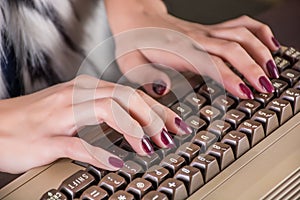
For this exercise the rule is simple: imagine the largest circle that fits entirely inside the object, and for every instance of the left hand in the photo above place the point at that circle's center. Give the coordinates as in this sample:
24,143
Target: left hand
244,43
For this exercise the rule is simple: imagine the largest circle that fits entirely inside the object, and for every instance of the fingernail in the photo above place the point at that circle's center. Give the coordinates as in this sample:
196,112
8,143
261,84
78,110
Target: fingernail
246,90
147,146
118,163
183,126
277,44
272,69
266,84
166,138
159,87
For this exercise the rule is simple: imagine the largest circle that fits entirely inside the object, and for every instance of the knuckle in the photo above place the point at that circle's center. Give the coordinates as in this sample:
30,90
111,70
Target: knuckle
102,107
264,28
232,46
141,93
246,18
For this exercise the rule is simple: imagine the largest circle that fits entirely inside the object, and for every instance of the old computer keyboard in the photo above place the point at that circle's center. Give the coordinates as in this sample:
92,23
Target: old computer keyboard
224,128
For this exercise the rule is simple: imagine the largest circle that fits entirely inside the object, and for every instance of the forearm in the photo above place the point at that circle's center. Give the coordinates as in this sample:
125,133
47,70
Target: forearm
127,16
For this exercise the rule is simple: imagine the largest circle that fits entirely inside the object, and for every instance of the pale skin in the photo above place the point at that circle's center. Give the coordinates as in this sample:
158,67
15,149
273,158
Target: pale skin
39,128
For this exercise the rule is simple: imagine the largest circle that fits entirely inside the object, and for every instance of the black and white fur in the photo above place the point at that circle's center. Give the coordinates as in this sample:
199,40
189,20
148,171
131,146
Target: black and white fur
47,37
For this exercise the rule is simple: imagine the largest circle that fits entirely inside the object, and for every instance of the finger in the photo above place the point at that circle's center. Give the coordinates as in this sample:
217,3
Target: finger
261,30
238,57
173,122
138,69
77,149
131,101
108,110
231,81
252,45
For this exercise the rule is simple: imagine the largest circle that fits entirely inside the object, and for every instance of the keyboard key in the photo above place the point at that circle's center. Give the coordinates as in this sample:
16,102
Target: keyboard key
139,187
219,128
155,195
163,152
76,184
238,142
223,153
195,123
121,153
209,114
181,110
130,170
297,85
94,193
173,163
147,161
281,63
174,189
297,66
268,119
293,96
263,98
204,139
234,117
122,195
254,131
181,139
156,175
223,103
290,76
112,182
96,172
195,101
283,109
249,107
292,55
53,195
208,166
168,99
191,177
210,91
279,86
188,151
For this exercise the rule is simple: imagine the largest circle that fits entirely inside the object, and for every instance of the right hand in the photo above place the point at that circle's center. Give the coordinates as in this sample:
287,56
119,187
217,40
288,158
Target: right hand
37,129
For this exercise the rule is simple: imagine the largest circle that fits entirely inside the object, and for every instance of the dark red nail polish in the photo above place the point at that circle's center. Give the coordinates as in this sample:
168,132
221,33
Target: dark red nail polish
183,126
159,87
246,90
166,138
266,84
118,163
272,69
277,44
147,146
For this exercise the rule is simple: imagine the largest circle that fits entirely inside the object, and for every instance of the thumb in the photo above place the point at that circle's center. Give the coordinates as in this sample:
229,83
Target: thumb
77,149
136,68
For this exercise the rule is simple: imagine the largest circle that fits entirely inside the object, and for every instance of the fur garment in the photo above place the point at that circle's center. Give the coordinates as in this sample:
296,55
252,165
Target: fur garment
41,42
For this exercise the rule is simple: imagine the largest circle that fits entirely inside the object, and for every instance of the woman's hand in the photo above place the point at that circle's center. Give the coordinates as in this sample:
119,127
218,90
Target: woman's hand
37,129
244,43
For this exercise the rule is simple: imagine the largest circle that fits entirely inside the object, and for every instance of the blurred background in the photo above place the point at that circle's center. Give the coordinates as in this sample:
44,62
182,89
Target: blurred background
283,16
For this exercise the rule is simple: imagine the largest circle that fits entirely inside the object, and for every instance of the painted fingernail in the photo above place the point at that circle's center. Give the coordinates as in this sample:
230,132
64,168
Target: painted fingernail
166,138
277,44
266,84
147,146
272,69
159,87
246,90
118,163
183,126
